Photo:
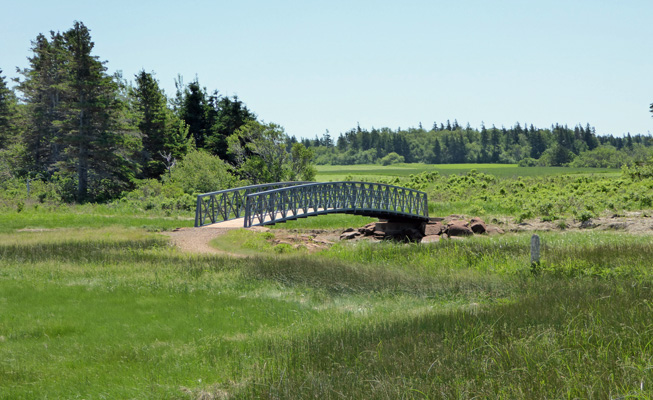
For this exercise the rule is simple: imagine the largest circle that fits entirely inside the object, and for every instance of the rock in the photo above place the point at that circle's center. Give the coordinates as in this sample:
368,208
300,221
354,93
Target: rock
368,229
587,224
493,230
618,226
259,229
458,228
433,228
349,235
431,239
412,234
348,230
477,226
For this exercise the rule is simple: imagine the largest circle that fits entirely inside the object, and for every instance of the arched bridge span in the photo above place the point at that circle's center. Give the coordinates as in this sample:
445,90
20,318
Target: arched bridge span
272,203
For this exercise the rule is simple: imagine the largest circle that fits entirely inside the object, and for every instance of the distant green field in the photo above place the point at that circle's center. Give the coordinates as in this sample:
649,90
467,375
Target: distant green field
327,173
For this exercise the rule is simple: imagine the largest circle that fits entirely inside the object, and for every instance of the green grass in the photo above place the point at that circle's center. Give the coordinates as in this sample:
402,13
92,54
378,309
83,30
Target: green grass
334,173
117,313
327,221
85,217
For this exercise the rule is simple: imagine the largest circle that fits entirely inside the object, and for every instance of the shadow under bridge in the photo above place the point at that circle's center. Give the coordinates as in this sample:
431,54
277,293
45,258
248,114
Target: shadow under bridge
286,201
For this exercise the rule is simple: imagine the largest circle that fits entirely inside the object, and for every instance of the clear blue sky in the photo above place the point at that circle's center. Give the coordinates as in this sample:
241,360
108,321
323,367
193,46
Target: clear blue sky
316,65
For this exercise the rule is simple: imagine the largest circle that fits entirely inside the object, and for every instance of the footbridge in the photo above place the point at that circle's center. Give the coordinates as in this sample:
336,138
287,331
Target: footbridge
283,201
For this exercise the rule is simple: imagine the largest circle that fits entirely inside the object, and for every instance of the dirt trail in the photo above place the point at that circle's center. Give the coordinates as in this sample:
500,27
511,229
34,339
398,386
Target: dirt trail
196,240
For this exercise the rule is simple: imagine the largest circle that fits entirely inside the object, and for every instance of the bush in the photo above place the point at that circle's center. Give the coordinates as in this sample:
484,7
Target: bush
200,172
392,158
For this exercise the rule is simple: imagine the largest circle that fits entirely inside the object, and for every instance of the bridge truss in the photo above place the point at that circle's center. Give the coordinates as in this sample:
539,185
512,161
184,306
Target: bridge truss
272,203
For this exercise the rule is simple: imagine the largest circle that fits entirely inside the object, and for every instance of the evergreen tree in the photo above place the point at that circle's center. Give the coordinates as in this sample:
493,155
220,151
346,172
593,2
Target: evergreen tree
45,89
194,112
225,116
437,152
163,134
94,144
7,112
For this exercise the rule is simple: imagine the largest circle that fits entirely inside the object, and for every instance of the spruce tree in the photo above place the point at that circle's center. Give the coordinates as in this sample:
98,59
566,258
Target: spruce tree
194,111
7,112
226,115
45,91
162,133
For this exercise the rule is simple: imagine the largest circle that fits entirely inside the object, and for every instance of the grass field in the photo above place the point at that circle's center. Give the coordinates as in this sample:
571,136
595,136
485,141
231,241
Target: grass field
117,313
326,173
96,304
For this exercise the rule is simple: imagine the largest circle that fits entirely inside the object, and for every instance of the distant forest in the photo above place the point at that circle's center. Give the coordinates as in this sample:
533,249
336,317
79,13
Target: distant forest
450,143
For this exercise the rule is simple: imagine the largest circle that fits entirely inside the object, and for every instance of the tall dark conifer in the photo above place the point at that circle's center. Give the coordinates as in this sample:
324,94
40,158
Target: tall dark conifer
44,91
226,115
194,110
94,144
7,112
163,135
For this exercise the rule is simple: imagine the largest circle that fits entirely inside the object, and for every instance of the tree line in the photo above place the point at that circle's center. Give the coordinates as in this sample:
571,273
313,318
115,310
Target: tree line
449,143
95,135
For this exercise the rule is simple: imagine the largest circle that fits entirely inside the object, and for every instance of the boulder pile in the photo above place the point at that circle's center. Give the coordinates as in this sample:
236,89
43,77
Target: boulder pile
424,232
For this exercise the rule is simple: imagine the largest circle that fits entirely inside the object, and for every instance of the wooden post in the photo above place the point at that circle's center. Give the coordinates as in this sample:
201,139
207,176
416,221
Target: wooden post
535,254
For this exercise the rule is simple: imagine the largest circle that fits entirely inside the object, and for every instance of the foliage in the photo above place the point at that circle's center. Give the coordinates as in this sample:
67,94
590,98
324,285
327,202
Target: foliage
261,155
73,126
556,146
211,118
201,172
163,134
601,157
392,158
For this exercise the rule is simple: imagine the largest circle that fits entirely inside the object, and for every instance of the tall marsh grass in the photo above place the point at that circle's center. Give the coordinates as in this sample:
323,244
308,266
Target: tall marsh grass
119,313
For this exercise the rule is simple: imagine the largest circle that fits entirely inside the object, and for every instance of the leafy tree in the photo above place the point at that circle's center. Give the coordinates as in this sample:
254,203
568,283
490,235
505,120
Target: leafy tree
201,172
601,157
261,155
301,167
392,158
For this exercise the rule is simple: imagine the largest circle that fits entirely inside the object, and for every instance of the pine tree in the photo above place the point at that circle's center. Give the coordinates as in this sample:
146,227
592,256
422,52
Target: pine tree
94,146
163,134
225,116
7,112
44,91
194,111
437,152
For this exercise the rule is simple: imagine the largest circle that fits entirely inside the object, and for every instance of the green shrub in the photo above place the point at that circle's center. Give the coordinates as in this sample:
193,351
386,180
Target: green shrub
200,172
391,158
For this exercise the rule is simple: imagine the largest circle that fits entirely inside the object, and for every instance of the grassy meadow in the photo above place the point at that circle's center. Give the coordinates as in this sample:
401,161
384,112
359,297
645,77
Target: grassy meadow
365,172
95,304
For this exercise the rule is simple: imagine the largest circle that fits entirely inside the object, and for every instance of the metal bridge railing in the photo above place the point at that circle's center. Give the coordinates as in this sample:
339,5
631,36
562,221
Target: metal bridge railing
297,201
229,204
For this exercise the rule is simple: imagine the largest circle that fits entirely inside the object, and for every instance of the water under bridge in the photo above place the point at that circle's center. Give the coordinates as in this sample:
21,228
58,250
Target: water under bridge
272,203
